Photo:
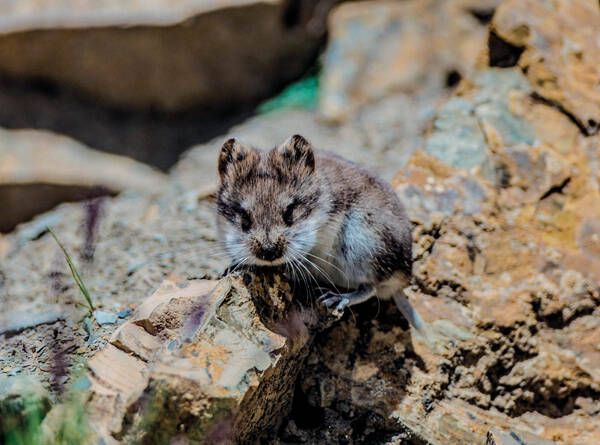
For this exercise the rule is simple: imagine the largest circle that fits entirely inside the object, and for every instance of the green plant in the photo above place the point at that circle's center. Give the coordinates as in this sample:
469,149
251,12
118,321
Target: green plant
74,272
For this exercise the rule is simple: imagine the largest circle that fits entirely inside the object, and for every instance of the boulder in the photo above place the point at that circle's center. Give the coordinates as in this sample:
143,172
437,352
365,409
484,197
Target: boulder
39,170
557,46
380,48
127,54
205,361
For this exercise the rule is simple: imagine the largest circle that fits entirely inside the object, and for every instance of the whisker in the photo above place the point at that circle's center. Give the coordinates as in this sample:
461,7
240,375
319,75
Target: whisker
321,271
300,271
327,262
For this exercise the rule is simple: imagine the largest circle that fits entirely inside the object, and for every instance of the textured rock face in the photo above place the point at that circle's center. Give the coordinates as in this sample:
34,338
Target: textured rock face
38,170
560,52
389,47
221,53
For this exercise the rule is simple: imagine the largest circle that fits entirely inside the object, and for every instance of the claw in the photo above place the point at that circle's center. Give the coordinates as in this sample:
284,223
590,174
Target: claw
326,296
330,301
338,302
341,306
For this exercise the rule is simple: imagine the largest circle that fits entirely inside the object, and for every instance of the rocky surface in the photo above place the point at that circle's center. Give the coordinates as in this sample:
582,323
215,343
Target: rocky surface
39,170
504,195
208,361
381,48
222,53
558,42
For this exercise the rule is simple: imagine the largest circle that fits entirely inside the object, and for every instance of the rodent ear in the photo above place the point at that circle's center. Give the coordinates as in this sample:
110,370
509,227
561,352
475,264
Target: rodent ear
297,150
231,152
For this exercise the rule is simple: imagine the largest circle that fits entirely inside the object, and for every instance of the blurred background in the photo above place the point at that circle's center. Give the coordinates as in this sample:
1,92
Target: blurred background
150,80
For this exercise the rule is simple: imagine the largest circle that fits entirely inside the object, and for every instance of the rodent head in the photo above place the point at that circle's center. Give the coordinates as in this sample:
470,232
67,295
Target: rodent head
268,203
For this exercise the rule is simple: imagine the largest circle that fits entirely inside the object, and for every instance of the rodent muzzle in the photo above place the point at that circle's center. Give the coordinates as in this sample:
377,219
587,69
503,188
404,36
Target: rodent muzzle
269,251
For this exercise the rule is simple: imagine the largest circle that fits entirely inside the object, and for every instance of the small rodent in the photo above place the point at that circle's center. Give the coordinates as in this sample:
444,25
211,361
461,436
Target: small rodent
319,214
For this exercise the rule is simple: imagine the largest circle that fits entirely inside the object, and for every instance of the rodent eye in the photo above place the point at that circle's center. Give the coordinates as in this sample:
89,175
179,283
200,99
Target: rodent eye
246,221
288,214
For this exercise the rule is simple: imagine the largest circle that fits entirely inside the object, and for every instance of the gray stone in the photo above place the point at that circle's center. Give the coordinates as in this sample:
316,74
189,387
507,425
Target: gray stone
456,138
103,317
20,321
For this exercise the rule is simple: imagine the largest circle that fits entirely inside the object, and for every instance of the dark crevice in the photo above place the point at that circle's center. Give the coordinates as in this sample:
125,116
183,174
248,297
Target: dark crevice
503,176
303,413
483,15
551,397
502,53
554,401
557,319
448,288
291,14
551,103
453,77
556,189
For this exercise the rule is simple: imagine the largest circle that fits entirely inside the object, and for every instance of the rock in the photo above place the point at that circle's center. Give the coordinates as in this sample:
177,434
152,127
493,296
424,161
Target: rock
497,437
203,347
125,313
20,321
23,404
103,317
39,169
466,124
560,53
456,137
433,190
34,275
379,48
221,53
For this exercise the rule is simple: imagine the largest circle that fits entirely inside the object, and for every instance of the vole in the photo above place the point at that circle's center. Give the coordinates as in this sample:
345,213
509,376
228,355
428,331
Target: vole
320,215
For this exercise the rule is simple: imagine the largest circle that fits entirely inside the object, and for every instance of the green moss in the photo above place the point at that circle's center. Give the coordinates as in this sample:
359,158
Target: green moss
302,94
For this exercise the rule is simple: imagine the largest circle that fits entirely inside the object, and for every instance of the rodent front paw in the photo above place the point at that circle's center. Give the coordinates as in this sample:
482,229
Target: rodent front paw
336,302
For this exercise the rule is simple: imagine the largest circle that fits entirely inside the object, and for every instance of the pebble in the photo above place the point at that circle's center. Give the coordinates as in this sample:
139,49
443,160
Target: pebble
125,313
82,384
103,317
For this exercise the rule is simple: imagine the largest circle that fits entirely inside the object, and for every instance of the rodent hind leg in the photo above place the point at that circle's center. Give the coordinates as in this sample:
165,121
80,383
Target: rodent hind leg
410,313
341,301
435,341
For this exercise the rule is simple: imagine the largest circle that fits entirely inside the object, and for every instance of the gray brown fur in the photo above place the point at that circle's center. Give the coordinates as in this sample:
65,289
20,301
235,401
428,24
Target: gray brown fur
294,205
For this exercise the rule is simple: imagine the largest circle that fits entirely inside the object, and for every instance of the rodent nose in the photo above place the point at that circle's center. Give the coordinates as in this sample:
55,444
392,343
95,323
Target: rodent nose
269,251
